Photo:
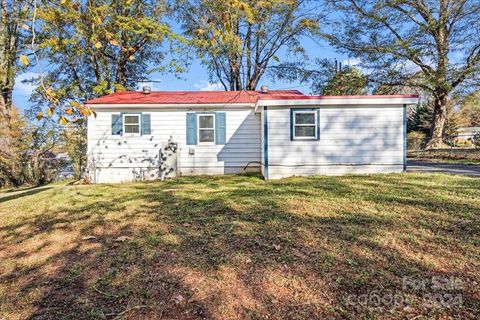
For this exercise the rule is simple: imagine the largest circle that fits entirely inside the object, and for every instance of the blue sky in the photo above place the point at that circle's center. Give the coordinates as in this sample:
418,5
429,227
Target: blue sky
195,79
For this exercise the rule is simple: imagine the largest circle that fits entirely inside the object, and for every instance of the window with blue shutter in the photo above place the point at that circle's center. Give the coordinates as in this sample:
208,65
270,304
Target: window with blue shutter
220,128
146,126
191,128
117,124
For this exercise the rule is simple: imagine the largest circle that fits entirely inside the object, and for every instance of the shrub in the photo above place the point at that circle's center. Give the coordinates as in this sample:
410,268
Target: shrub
416,140
476,140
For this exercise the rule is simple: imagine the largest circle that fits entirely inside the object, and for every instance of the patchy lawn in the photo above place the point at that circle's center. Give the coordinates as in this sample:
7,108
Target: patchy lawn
378,246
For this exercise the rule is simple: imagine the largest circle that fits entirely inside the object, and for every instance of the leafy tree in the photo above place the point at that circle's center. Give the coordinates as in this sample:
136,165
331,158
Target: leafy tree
346,82
450,129
26,151
325,77
398,39
12,144
419,118
96,47
74,140
470,110
13,14
239,39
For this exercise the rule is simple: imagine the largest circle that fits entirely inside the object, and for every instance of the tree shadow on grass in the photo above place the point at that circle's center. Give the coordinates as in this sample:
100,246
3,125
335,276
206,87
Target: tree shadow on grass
233,247
20,194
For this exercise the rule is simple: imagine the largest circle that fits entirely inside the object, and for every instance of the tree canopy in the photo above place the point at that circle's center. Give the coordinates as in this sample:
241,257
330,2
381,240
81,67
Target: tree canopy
238,40
397,40
346,82
96,47
470,110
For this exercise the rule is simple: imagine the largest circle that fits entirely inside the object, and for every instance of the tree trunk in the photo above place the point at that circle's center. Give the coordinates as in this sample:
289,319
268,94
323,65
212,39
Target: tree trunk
121,76
438,123
8,55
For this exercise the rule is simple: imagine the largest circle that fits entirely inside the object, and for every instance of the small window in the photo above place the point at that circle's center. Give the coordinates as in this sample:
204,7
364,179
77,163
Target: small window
206,128
305,124
131,124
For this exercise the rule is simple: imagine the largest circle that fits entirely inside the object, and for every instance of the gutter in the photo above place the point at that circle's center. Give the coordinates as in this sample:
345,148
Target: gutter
169,105
341,101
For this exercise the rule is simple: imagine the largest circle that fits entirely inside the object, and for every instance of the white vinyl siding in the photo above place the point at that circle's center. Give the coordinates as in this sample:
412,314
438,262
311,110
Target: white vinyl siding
123,158
355,139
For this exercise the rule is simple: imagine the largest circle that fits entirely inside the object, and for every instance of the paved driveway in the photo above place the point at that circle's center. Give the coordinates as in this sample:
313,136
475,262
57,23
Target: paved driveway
426,166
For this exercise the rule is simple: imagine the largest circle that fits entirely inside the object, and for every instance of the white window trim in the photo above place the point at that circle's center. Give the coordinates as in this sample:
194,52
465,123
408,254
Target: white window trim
139,125
198,129
315,114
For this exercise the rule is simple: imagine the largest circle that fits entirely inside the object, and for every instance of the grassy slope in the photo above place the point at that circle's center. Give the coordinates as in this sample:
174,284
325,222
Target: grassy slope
238,247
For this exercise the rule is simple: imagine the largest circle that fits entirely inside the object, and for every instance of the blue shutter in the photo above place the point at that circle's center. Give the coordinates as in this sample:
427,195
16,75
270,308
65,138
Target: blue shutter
191,128
117,124
220,128
318,124
146,127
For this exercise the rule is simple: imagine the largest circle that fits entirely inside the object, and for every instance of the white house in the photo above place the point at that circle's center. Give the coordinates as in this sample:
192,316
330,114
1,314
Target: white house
149,135
468,133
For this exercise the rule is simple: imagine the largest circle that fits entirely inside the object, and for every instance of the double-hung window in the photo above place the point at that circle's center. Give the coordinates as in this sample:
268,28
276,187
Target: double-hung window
206,128
131,124
305,124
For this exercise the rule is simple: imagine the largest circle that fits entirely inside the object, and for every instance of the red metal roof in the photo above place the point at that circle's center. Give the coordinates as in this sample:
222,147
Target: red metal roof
192,97
217,97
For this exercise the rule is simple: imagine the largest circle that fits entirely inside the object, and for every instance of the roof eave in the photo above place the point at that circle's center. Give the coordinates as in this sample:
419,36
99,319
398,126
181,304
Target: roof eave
345,101
168,105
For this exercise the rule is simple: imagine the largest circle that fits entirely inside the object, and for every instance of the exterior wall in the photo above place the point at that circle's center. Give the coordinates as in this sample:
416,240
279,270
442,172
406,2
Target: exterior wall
115,158
353,139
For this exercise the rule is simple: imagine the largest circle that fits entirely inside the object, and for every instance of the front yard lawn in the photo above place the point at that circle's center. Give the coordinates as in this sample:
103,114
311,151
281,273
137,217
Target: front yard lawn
237,247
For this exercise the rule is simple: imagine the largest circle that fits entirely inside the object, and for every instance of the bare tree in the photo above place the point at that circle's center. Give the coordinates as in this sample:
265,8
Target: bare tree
398,39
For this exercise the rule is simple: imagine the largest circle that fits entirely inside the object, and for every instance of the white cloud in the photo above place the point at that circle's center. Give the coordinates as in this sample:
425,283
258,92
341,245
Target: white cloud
24,89
208,86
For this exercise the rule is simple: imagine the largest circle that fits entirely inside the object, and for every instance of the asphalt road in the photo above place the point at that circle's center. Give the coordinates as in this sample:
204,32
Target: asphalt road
426,166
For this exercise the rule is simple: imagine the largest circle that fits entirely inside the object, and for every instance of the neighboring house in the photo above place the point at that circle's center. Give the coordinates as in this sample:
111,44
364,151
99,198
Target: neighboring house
149,135
468,133
65,168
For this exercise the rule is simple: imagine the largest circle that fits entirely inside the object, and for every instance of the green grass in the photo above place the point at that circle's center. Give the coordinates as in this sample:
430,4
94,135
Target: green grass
235,247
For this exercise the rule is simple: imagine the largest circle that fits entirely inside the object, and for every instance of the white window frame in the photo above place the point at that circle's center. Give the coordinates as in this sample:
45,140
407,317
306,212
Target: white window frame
139,125
213,128
315,114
